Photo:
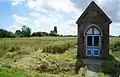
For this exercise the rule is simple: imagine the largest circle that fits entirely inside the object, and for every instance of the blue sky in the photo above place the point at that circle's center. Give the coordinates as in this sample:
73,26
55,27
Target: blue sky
43,15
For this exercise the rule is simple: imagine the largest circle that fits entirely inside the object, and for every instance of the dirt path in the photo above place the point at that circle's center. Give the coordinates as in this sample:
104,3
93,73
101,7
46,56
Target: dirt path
92,67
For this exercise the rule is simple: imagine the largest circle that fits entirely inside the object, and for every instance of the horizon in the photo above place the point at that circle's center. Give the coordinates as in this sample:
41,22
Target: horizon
43,15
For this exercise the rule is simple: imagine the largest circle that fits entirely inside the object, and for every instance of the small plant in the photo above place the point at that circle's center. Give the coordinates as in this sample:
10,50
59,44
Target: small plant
115,46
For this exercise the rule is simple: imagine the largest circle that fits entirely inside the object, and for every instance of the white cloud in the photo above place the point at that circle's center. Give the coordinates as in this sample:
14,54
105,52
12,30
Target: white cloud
67,30
43,23
66,6
53,17
33,4
49,19
16,2
72,23
19,21
115,29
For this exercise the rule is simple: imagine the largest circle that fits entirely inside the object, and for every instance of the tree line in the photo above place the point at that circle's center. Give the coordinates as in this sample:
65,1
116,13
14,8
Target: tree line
26,32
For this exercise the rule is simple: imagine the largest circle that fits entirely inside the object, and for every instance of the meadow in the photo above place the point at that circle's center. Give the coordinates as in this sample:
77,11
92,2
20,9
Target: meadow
41,57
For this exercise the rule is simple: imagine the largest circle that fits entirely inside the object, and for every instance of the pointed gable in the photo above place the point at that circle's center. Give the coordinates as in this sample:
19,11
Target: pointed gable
93,13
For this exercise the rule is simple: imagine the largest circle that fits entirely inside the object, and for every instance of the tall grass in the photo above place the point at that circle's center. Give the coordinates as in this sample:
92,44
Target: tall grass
32,44
25,53
59,46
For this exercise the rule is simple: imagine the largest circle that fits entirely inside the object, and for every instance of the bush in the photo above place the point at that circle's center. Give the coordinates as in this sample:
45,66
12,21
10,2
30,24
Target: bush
110,67
115,46
58,47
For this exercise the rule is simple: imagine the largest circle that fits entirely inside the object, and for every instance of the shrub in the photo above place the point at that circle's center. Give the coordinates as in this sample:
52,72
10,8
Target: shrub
115,46
110,67
58,47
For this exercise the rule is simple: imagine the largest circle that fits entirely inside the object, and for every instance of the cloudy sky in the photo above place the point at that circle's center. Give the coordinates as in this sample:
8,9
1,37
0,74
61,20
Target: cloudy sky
43,15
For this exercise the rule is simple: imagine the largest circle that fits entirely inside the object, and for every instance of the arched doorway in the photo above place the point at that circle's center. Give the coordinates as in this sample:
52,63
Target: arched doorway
92,41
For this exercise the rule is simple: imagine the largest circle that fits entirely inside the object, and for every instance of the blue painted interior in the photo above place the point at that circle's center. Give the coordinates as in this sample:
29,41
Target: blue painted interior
92,50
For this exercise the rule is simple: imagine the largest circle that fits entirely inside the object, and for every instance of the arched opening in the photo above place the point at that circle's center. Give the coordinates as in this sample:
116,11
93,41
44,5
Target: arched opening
92,41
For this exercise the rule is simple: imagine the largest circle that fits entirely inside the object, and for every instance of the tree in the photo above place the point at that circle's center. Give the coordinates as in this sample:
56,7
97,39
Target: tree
18,33
11,35
55,29
45,34
26,31
6,34
52,33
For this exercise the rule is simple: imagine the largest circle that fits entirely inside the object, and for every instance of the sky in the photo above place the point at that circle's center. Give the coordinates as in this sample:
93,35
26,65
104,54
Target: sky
43,15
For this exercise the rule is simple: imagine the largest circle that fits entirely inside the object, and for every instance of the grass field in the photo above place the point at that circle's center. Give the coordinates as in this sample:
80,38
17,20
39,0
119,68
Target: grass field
23,57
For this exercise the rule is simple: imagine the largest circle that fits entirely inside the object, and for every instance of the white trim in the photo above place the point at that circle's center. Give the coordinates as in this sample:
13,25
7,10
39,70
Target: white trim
92,47
93,25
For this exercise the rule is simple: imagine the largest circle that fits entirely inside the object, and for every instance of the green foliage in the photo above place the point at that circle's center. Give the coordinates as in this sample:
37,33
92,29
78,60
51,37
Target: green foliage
115,46
116,55
6,72
111,67
52,33
58,47
83,71
6,34
18,33
103,75
26,31
17,52
40,34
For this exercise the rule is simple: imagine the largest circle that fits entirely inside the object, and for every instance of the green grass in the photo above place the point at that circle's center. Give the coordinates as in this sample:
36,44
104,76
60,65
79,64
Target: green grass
25,54
28,44
5,72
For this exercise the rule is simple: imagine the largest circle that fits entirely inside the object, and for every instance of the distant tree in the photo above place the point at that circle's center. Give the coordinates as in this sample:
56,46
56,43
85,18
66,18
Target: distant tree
45,34
6,34
26,31
52,33
11,35
33,34
55,29
18,33
40,34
